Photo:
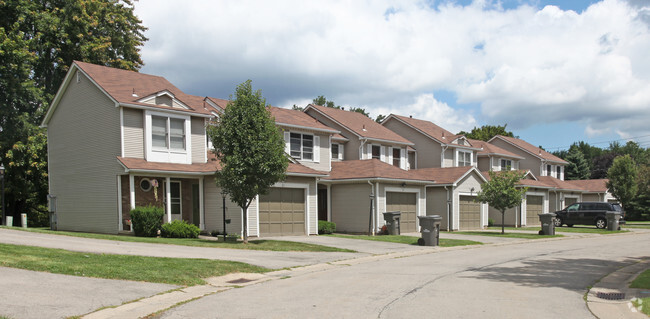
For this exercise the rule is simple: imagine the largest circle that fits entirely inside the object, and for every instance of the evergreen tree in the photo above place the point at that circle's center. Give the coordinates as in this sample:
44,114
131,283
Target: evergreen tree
578,167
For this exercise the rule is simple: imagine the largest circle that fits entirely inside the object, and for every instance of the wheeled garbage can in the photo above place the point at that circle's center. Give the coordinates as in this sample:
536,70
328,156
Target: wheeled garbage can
430,229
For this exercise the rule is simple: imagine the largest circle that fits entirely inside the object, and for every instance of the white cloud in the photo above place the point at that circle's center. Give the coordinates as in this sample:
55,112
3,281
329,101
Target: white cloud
523,66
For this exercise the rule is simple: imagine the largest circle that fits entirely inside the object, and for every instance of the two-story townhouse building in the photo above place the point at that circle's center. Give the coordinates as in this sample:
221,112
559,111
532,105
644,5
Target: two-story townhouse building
493,158
451,160
118,138
536,160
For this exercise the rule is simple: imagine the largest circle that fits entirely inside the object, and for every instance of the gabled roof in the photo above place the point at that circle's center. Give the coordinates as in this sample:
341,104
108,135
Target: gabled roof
371,169
298,119
125,87
591,185
559,184
492,150
427,128
447,175
359,124
216,104
529,148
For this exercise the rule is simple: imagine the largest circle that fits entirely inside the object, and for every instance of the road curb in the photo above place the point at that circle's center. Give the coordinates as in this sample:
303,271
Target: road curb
611,296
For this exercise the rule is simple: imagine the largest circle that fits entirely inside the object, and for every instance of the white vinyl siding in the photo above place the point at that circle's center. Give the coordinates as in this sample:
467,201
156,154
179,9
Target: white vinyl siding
198,140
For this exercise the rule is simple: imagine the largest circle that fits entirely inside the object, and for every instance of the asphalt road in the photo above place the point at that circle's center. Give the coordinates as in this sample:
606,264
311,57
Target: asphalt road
533,279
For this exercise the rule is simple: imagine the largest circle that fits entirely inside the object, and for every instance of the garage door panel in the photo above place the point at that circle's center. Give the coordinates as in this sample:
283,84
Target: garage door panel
469,213
282,212
406,204
534,206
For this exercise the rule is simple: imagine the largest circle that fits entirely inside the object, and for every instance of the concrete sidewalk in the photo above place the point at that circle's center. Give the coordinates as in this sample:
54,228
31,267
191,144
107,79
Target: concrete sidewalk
616,286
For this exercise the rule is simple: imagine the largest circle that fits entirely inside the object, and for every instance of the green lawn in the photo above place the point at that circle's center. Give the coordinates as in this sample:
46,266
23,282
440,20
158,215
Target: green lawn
643,282
261,244
507,234
176,271
408,240
564,229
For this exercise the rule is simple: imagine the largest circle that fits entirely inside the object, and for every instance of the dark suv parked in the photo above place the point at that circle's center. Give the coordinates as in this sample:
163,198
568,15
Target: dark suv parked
587,213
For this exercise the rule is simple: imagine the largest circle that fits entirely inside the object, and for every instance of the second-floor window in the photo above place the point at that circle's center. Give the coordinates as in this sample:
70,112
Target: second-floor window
167,133
558,171
302,146
335,151
506,165
397,157
548,170
464,158
376,152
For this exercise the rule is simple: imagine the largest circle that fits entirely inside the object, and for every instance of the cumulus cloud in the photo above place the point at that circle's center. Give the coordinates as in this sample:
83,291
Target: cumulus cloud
523,66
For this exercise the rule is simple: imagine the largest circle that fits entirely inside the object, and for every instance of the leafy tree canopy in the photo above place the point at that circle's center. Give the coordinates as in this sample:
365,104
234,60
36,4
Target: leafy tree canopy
486,132
623,179
250,148
501,192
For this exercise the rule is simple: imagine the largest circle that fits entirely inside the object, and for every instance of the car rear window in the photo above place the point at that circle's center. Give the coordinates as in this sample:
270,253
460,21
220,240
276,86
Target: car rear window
617,207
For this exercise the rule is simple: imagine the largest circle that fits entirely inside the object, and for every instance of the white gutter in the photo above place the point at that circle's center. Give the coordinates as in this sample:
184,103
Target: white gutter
159,109
308,128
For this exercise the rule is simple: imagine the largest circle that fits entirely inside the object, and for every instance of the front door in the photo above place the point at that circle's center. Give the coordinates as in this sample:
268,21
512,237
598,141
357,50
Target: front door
322,204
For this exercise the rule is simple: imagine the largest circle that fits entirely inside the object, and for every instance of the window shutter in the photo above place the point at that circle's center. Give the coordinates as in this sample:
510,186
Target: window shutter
390,155
402,158
382,152
369,154
316,149
287,147
341,152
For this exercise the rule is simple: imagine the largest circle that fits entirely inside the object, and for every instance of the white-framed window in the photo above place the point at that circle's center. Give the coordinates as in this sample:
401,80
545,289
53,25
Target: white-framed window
464,158
175,196
506,164
167,137
397,157
303,146
549,170
337,151
376,152
411,161
558,171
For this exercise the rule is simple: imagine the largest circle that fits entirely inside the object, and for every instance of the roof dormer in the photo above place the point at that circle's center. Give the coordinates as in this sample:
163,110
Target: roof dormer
163,98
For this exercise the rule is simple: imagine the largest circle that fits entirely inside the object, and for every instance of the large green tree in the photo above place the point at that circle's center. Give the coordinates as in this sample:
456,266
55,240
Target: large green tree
250,148
622,181
502,193
39,40
486,132
578,167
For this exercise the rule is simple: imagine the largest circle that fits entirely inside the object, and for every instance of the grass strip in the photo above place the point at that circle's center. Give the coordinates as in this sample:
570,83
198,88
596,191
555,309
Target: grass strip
175,271
643,304
642,281
408,240
507,235
259,244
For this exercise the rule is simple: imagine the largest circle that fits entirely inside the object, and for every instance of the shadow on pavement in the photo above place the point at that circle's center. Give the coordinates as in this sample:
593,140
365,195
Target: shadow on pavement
571,274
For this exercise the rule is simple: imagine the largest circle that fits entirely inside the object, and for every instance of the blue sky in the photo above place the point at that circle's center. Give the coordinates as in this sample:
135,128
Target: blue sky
555,72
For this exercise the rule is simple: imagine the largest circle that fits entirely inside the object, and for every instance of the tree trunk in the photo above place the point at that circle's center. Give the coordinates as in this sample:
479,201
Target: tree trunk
503,222
245,223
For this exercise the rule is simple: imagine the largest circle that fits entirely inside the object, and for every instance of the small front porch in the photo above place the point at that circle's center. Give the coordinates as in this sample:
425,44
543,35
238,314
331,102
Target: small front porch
180,196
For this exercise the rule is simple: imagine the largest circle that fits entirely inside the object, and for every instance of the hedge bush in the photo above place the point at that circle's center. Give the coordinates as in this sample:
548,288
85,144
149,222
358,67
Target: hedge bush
325,227
146,220
179,229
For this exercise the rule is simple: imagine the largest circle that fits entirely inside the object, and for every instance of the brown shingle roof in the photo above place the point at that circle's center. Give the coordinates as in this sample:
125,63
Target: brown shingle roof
368,169
432,130
221,103
298,118
489,149
534,150
122,84
360,124
446,175
558,184
590,185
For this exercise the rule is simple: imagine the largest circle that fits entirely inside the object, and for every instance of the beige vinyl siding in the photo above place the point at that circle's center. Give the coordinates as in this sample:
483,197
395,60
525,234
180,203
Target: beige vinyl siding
214,209
591,197
437,204
198,140
133,133
484,164
428,150
351,151
449,158
83,142
529,162
511,215
553,202
351,207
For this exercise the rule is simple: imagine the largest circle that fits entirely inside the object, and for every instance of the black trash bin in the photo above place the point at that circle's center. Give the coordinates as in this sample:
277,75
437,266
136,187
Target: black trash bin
392,222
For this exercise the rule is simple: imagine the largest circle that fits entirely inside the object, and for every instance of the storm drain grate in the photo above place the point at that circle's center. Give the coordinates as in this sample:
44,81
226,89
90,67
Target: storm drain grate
611,295
239,281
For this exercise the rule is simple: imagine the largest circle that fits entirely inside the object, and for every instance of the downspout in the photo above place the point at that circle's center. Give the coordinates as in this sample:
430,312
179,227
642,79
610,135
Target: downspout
376,206
371,220
449,223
